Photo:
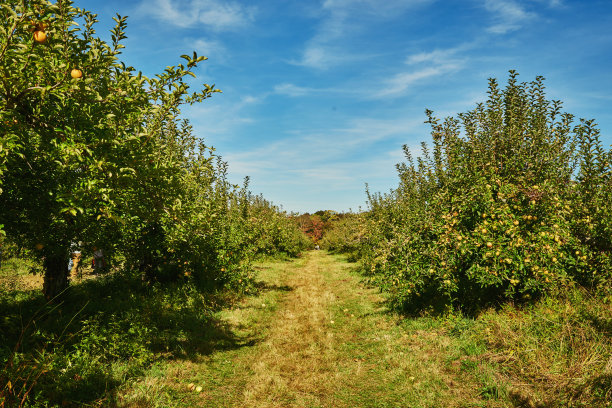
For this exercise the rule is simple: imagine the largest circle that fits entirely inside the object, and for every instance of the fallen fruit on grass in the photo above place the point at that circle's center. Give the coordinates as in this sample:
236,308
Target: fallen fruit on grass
76,73
40,36
198,389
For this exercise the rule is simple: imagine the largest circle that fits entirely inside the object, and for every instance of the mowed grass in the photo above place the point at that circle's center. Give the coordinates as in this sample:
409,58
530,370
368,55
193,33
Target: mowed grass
316,337
313,336
105,332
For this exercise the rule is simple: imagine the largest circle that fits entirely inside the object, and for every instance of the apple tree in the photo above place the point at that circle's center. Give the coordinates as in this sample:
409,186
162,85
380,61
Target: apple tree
78,129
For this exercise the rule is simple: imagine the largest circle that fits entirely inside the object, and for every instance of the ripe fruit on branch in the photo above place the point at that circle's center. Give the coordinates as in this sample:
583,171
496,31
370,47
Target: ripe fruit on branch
40,36
76,73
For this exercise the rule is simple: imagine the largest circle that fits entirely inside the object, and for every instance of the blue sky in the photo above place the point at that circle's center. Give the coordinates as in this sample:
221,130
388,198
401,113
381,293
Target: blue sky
320,95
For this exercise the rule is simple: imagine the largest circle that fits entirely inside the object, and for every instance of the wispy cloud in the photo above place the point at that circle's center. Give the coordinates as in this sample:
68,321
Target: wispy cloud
399,84
320,56
250,99
213,14
292,90
420,67
222,119
552,3
372,7
440,57
509,15
306,164
320,149
210,48
322,51
340,18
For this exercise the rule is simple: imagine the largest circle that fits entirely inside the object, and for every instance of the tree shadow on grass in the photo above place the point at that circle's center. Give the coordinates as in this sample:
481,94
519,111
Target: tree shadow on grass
103,332
264,286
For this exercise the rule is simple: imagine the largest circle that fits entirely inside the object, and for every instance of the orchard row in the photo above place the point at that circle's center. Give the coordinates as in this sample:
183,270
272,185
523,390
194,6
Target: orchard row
95,155
513,202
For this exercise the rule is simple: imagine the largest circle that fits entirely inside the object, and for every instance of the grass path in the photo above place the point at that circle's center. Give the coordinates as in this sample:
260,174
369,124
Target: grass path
316,337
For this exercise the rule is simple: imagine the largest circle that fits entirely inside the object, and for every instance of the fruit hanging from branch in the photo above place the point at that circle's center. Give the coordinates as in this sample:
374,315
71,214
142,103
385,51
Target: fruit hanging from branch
40,36
76,73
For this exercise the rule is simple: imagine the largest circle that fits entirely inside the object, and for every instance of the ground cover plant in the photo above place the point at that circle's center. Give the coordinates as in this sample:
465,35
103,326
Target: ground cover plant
105,332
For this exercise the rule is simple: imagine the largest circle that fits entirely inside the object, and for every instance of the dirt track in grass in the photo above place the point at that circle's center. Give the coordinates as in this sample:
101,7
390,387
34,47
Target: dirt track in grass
317,337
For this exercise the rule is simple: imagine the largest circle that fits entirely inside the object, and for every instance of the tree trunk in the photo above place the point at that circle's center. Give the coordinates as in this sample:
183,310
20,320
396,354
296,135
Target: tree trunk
56,276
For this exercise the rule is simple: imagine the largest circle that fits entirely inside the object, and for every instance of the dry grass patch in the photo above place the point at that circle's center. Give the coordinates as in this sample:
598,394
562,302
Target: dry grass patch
18,275
557,352
316,337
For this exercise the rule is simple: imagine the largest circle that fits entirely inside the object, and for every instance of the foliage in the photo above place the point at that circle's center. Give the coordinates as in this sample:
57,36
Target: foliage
317,224
75,146
271,231
512,203
104,161
346,235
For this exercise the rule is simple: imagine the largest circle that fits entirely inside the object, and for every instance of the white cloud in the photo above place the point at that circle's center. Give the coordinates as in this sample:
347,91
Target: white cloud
372,7
418,68
428,65
324,166
322,56
322,150
341,18
317,56
509,15
291,90
213,14
250,99
552,3
400,83
321,51
209,48
435,56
